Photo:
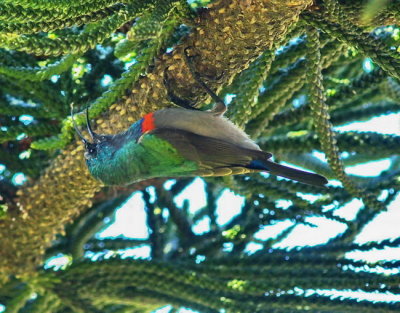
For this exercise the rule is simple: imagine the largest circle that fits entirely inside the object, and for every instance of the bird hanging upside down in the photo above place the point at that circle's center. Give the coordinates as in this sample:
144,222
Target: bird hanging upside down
179,142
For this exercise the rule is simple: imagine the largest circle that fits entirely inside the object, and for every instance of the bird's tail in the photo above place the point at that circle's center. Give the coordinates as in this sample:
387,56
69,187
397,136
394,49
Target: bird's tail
291,173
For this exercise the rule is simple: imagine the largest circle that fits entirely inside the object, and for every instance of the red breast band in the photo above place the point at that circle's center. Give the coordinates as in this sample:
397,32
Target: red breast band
148,123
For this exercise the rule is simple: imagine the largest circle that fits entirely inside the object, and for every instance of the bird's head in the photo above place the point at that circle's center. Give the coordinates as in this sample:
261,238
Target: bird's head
98,147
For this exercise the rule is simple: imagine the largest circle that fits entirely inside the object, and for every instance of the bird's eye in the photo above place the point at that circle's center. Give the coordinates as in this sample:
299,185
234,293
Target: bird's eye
92,150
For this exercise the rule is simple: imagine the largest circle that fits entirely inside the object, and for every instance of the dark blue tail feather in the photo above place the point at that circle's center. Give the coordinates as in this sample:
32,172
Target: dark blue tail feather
288,172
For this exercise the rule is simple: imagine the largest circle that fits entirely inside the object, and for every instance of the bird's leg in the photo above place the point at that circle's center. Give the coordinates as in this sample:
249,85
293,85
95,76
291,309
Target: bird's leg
184,103
220,107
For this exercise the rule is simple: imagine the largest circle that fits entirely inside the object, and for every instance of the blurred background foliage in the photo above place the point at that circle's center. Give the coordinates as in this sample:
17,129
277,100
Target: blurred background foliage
338,64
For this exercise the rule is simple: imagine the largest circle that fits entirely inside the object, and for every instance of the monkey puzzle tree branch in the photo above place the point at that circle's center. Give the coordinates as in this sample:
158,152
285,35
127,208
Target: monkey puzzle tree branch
227,37
182,222
99,245
365,42
45,26
224,283
284,87
321,119
89,224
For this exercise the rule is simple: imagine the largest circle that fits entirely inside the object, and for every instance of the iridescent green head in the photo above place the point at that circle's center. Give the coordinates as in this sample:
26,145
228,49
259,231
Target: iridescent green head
97,141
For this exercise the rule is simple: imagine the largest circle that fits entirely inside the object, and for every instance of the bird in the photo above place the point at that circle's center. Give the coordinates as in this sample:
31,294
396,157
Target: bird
181,142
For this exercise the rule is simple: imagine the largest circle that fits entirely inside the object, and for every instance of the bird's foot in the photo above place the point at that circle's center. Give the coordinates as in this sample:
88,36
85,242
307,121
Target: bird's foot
172,97
220,106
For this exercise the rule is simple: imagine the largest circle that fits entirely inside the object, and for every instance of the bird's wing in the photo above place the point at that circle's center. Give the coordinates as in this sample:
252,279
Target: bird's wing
217,157
209,153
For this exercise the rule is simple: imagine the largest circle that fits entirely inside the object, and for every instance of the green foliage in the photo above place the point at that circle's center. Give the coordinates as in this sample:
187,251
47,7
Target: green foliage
39,73
289,99
53,44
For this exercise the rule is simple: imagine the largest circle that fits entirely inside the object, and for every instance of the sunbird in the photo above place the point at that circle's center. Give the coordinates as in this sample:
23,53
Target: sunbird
181,142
